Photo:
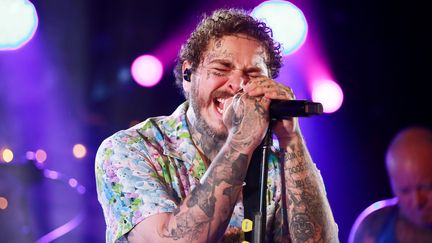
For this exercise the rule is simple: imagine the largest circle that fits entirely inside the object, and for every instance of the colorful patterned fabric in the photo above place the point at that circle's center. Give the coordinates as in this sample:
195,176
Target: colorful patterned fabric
151,168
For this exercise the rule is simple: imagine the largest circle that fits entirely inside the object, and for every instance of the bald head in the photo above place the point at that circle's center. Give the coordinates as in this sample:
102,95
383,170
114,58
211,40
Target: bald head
409,164
408,146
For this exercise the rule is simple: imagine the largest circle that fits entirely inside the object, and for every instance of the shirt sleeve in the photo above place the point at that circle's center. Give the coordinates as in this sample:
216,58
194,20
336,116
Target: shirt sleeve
129,187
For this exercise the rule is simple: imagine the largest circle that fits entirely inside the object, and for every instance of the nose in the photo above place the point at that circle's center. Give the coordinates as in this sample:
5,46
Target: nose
237,80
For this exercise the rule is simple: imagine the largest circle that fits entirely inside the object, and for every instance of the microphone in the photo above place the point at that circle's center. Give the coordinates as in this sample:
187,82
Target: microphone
284,109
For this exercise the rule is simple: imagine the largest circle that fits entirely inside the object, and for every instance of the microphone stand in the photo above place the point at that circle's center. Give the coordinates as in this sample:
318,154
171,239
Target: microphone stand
256,190
258,214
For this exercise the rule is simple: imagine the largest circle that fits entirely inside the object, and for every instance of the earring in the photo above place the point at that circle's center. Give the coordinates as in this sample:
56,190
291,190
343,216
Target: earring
187,74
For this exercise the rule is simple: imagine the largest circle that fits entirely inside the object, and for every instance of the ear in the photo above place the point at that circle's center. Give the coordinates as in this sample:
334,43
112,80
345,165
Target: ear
186,84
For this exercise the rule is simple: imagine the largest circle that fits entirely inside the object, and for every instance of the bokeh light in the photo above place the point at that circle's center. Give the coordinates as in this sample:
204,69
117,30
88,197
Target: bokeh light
329,94
41,156
3,203
79,151
81,189
7,155
51,174
287,22
18,23
147,70
73,182
30,155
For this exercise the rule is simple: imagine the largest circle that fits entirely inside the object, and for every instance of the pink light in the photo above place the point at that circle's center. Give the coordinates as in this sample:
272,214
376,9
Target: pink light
73,182
329,94
40,155
147,70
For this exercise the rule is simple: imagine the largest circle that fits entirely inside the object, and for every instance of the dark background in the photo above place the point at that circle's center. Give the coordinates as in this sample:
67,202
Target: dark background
378,51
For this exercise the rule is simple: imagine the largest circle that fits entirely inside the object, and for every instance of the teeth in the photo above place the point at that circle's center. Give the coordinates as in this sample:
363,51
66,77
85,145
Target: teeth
219,110
221,103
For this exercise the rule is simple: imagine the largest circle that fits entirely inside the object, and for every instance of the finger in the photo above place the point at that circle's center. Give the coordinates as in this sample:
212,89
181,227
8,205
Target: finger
273,90
284,93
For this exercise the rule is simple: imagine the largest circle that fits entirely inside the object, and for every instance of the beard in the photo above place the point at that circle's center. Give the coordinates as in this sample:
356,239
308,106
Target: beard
201,124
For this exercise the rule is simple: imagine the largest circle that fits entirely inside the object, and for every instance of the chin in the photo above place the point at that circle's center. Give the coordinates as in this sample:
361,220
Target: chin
221,132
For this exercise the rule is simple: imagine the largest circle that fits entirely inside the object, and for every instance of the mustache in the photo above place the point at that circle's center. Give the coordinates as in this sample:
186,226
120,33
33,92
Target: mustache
225,94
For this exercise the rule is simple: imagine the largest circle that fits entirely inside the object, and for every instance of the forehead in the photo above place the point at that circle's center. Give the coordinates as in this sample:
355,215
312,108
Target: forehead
236,48
414,172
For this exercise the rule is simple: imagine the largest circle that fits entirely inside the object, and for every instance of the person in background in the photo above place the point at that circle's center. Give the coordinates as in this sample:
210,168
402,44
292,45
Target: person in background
408,216
179,178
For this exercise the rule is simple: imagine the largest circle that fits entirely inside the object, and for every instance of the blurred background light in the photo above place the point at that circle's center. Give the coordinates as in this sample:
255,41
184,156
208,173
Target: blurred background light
287,22
51,174
18,23
329,94
79,151
41,156
81,189
7,155
30,155
3,203
73,182
147,70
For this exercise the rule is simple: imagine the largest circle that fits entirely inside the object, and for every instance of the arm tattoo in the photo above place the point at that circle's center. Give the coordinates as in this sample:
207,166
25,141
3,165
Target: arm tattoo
225,178
309,215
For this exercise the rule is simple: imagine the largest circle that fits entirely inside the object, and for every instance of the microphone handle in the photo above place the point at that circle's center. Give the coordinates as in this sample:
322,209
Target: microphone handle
284,109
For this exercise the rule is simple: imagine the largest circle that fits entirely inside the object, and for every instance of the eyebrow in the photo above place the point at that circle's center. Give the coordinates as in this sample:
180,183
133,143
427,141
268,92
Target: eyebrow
229,64
223,62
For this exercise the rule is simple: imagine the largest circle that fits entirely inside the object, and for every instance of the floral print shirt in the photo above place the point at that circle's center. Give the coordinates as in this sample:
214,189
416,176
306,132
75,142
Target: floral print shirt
152,167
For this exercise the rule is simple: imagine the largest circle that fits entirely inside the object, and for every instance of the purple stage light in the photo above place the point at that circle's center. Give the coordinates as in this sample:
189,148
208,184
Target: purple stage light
51,174
73,182
287,22
329,94
81,189
18,24
30,155
147,70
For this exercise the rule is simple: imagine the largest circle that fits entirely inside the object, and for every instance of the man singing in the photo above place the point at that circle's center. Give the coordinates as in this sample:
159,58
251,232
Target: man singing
180,178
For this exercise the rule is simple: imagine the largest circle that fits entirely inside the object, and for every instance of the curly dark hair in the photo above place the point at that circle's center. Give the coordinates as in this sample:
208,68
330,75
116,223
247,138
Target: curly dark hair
224,22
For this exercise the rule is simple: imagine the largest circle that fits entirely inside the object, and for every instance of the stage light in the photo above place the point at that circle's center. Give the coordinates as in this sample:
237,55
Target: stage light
329,94
287,22
41,156
30,155
7,155
147,70
79,151
51,174
81,189
73,182
3,203
18,23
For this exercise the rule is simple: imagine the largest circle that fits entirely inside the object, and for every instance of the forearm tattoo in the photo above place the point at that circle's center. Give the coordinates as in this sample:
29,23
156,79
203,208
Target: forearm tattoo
308,211
212,201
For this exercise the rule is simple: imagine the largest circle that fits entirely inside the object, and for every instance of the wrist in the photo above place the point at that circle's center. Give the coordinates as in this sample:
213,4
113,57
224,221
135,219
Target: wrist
240,145
286,142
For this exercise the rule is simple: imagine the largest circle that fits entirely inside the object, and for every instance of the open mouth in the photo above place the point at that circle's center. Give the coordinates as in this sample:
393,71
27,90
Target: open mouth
220,105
